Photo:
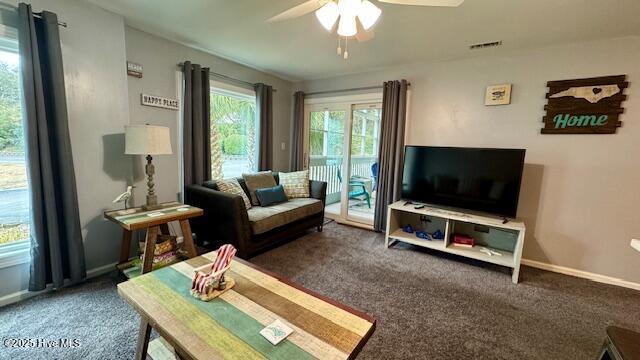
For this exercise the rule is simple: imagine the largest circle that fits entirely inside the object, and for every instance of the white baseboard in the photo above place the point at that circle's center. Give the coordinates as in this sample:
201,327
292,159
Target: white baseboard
26,294
101,270
581,274
18,296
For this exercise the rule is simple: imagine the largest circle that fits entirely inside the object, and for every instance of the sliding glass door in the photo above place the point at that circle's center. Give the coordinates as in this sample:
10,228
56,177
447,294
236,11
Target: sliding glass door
363,162
326,143
342,150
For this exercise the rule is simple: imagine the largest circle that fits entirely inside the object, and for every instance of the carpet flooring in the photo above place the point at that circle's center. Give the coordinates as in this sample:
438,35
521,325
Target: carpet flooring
91,313
428,305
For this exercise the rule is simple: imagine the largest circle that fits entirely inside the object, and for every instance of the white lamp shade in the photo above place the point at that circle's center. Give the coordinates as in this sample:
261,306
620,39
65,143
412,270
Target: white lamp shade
147,140
328,15
368,14
347,26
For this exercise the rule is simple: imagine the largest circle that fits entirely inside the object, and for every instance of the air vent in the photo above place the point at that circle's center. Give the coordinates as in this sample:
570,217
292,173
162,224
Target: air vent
485,45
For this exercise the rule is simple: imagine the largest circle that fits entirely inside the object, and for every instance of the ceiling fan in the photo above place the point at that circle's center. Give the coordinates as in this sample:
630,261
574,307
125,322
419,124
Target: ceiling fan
355,18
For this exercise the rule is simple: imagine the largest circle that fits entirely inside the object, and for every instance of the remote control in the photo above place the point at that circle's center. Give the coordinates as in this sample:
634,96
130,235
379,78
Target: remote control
419,207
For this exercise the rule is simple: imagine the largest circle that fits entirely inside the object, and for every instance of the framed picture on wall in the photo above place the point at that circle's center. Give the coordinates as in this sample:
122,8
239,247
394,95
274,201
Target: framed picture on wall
498,95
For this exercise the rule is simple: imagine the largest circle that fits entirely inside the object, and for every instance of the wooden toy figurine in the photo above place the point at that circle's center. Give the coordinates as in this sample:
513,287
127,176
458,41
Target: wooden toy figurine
209,285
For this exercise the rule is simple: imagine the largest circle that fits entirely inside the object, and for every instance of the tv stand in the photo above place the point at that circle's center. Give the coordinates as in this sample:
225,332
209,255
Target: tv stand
497,242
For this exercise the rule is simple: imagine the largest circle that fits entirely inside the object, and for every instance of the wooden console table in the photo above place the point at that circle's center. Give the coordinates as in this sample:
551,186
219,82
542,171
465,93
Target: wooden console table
155,222
507,239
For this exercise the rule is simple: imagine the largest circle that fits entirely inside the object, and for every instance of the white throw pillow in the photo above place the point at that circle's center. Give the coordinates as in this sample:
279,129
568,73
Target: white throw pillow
296,184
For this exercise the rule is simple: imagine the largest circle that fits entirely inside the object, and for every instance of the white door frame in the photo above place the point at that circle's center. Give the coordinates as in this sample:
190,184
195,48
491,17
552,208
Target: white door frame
339,103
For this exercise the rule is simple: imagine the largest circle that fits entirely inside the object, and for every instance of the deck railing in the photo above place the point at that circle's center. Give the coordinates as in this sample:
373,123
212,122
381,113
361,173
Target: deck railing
325,168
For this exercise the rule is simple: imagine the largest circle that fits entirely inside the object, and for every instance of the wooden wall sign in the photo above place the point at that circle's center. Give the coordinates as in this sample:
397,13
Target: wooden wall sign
134,69
159,101
585,106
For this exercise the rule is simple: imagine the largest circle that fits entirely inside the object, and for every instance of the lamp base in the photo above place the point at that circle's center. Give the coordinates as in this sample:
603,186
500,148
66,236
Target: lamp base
152,198
151,207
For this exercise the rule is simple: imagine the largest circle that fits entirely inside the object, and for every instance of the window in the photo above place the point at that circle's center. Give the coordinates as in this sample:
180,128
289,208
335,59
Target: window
365,132
326,134
234,131
14,189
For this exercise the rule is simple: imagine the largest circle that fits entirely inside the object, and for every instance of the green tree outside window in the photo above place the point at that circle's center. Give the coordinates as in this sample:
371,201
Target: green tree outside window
233,131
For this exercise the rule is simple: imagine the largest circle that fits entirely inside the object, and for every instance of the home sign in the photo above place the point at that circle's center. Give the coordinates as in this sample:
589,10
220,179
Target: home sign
585,106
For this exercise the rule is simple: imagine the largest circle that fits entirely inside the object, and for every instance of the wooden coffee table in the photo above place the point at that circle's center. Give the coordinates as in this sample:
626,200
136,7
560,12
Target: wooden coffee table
229,326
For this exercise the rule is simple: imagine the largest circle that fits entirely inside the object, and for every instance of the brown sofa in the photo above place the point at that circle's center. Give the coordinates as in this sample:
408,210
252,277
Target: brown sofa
227,221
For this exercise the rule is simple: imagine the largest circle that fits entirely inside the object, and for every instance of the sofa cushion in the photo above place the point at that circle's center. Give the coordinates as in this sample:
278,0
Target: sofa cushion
271,196
211,184
232,186
296,184
260,180
263,219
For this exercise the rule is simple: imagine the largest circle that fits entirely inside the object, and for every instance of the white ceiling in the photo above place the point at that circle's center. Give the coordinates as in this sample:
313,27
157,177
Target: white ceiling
301,49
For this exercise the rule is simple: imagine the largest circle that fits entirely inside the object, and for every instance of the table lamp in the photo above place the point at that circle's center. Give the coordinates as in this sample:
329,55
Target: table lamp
148,140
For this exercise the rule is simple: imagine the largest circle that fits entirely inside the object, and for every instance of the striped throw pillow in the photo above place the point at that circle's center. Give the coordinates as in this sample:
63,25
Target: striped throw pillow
296,184
232,186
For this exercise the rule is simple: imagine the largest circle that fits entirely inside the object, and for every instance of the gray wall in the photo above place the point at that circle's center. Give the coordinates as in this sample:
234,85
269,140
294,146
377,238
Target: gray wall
580,192
159,58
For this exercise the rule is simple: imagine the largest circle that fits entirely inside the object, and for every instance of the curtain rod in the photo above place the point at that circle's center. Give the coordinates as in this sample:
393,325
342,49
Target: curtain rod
229,78
35,14
60,23
347,90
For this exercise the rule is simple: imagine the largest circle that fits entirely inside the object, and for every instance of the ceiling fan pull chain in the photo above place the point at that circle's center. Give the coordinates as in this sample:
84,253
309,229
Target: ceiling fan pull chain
339,48
346,48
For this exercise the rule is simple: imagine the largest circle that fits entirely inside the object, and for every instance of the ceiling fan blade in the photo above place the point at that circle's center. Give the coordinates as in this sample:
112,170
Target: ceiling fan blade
449,3
299,10
363,35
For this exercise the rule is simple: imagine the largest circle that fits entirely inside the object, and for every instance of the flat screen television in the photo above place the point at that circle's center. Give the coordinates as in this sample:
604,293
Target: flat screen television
482,180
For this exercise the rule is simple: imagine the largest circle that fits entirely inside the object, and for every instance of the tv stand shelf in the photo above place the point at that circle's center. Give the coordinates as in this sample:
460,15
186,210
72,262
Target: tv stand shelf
489,232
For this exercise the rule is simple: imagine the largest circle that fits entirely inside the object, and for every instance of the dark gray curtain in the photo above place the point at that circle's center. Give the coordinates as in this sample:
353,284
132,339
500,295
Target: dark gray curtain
297,137
196,127
394,112
264,109
56,240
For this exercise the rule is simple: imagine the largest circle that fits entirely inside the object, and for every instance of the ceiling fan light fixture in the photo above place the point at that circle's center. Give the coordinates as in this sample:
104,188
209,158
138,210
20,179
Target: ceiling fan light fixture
328,15
368,14
347,26
349,8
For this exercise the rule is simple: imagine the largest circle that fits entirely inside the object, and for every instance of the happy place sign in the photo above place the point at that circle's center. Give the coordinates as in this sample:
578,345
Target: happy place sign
585,106
159,101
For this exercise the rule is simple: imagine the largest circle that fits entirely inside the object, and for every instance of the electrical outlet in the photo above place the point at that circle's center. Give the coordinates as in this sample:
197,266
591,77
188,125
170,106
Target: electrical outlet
283,146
